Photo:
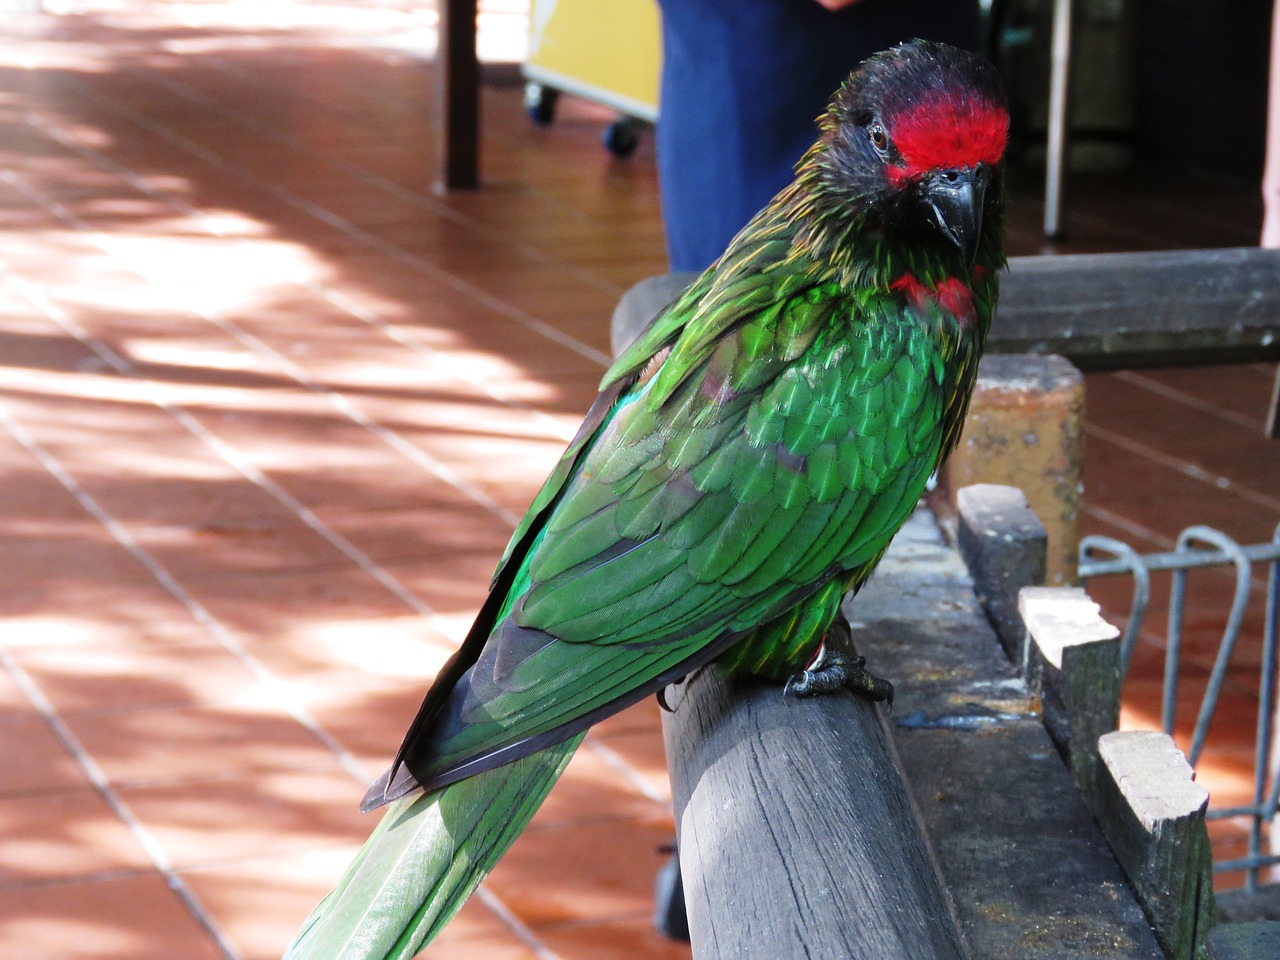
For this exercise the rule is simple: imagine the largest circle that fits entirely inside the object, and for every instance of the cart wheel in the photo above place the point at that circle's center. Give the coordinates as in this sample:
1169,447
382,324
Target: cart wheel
540,101
622,136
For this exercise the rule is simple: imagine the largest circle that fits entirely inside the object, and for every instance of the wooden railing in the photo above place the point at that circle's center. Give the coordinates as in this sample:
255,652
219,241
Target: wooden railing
995,813
1104,310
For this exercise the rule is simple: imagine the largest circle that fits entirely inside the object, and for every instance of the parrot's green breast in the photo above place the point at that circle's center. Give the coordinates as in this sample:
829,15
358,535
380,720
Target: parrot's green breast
846,439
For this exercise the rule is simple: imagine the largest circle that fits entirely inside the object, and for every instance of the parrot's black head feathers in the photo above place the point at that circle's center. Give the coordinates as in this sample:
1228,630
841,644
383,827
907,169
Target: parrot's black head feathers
916,107
911,148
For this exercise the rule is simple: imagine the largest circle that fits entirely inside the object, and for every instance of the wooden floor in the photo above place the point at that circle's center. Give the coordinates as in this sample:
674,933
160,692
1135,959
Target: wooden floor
269,408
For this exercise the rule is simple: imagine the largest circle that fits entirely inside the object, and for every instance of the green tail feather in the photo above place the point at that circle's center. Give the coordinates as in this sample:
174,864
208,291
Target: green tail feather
425,858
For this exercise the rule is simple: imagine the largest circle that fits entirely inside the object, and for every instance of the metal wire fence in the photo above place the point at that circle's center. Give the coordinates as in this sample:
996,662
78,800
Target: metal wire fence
1201,548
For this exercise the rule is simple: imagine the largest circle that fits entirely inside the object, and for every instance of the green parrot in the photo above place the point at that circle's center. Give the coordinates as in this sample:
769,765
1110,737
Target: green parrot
744,467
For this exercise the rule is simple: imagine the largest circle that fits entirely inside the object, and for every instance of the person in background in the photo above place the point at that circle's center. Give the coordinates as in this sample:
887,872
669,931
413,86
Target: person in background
742,83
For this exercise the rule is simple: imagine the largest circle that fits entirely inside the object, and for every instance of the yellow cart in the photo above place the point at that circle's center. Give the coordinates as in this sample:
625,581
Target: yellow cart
606,52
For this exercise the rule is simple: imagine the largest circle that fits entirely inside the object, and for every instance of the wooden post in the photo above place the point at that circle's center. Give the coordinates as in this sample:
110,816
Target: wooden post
1152,813
797,835
458,79
1004,545
1025,429
1073,666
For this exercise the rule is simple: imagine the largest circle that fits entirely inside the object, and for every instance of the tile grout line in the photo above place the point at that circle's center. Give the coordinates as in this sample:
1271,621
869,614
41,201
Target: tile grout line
340,402
396,333
217,445
351,230
620,765
221,634
100,876
1129,526
615,760
198,612
368,177
517,926
1184,467
335,298
1181,396
144,837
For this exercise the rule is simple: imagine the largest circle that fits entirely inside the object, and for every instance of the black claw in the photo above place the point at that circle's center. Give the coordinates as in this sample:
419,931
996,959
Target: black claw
663,702
836,673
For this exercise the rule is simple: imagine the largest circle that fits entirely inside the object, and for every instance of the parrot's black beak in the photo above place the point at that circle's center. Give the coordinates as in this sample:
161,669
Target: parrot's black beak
956,198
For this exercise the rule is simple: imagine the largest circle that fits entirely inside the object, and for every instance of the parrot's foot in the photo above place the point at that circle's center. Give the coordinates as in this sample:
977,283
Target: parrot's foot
837,673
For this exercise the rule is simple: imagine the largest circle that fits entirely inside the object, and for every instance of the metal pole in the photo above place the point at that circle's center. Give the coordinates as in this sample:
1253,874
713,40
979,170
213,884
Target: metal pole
1059,84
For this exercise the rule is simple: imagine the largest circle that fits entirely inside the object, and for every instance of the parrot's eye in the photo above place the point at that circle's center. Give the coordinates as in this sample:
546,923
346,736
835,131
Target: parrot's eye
879,139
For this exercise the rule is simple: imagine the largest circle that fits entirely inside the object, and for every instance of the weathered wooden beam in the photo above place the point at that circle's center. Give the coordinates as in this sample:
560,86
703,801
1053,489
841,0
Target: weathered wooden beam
1240,905
458,82
1152,812
1026,866
1003,544
1107,311
796,833
637,307
1072,664
1256,940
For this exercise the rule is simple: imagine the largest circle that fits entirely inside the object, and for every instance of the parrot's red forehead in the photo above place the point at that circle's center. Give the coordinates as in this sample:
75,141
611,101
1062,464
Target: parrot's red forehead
947,130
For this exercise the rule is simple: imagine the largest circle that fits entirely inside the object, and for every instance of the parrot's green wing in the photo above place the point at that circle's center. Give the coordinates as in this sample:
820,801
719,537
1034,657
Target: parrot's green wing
710,305
775,449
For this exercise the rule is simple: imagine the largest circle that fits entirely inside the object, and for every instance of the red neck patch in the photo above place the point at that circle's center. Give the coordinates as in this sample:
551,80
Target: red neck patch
951,295
947,130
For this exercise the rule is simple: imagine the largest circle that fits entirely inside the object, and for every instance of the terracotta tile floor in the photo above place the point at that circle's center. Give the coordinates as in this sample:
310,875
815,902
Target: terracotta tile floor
269,407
